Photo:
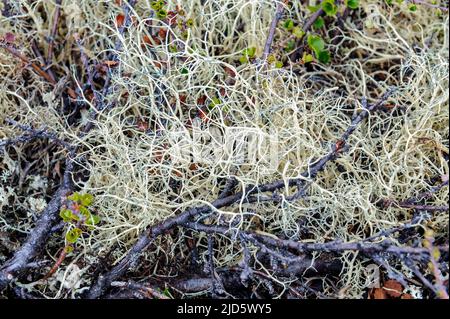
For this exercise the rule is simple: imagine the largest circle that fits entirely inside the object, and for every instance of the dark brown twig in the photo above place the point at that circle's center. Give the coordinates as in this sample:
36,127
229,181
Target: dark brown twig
53,32
273,25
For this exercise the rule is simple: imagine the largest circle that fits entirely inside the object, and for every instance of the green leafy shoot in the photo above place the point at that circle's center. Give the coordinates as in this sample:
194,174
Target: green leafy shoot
76,197
82,199
167,293
271,59
79,211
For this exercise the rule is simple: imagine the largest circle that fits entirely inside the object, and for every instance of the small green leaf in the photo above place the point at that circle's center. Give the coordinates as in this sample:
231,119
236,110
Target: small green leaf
278,64
214,101
161,14
412,8
319,23
69,249
288,24
185,34
316,43
156,5
166,292
271,59
76,197
314,8
93,220
290,46
307,58
388,2
298,32
190,23
324,57
86,199
75,217
73,235
250,52
184,71
66,215
329,7
243,59
352,4
85,212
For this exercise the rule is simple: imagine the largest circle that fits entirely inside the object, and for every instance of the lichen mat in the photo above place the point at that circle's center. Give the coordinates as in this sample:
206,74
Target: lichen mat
224,148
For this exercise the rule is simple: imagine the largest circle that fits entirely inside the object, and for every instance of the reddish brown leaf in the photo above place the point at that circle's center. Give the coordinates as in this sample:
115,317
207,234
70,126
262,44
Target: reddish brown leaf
111,63
57,169
229,71
178,173
183,99
407,296
339,145
151,41
120,20
202,114
393,288
172,16
146,39
378,293
162,33
10,37
142,125
201,100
